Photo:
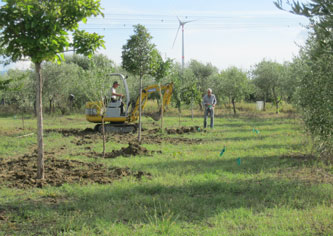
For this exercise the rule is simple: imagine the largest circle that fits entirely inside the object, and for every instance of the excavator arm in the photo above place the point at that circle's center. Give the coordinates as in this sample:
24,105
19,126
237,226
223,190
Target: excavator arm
167,88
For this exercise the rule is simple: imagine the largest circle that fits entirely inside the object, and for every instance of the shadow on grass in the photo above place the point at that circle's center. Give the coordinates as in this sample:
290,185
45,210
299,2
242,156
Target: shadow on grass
191,202
279,146
261,129
249,165
210,193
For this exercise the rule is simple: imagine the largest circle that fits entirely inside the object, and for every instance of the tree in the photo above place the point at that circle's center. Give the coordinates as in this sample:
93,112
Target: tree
191,94
315,96
38,30
267,77
137,58
234,85
98,78
290,80
176,78
59,83
160,69
202,73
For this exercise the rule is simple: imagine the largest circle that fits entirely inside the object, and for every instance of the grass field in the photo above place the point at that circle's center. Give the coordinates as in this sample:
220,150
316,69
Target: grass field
265,183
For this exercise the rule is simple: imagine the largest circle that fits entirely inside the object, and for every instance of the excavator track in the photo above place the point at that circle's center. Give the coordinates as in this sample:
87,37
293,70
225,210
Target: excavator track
117,128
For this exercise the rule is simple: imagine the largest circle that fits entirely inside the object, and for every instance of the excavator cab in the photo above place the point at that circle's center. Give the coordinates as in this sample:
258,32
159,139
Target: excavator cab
123,122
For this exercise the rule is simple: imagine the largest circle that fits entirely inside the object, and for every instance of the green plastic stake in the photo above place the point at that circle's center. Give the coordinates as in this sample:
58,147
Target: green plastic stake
198,129
222,151
257,131
239,161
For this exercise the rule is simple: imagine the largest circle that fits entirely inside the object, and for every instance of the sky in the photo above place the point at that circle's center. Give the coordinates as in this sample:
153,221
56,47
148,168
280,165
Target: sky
221,32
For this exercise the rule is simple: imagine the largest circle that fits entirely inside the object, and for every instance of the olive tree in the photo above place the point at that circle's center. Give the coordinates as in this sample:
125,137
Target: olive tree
315,96
234,84
38,30
202,74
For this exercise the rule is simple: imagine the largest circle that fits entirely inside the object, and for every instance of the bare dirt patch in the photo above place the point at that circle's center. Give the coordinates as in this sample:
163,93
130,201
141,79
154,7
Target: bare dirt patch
21,172
133,149
72,132
149,136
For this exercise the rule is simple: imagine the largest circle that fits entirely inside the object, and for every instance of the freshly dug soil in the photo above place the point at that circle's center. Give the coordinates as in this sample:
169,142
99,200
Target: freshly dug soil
72,132
149,136
184,130
133,149
21,172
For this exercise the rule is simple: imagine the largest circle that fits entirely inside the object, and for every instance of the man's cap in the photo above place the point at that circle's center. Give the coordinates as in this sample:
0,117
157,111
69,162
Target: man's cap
115,82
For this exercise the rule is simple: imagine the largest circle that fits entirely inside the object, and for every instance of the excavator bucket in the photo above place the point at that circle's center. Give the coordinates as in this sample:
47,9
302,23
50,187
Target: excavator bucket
156,116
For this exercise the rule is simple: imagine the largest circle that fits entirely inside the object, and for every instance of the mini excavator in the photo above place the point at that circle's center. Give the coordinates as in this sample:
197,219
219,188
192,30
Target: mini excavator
117,122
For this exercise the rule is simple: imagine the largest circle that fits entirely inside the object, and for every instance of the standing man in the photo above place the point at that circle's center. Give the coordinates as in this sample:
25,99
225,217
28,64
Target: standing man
209,102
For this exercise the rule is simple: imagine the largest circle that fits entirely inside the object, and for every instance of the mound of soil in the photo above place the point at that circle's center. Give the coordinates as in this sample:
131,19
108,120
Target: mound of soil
133,149
184,130
73,132
21,172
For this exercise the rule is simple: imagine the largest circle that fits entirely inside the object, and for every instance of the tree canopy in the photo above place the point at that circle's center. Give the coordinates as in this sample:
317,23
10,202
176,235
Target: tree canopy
137,52
39,30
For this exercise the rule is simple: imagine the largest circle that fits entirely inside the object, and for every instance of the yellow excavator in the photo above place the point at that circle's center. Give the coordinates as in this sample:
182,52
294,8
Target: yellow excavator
117,122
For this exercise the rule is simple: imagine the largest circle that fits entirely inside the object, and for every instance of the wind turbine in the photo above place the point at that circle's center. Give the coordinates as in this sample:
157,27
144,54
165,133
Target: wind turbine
181,24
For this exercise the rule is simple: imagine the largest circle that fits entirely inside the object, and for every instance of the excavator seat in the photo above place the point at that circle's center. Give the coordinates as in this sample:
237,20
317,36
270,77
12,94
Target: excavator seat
115,104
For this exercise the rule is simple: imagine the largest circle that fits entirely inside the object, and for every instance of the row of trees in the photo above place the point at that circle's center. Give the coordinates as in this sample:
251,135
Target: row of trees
83,77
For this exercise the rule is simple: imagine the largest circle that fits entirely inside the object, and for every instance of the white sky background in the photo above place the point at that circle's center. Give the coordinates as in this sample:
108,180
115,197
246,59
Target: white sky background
225,33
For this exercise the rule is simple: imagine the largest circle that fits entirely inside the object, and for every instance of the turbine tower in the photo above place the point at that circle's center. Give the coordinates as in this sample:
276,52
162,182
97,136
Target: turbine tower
181,24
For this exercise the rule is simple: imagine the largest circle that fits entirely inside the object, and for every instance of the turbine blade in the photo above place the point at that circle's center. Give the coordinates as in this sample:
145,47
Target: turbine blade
180,22
176,37
185,22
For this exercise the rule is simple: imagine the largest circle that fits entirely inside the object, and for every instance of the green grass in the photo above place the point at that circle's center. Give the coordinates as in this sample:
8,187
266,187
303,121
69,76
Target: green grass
193,191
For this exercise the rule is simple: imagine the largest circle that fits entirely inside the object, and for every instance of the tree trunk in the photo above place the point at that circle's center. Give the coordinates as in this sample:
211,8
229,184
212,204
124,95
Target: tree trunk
162,106
103,133
140,110
264,108
50,101
39,105
200,105
233,105
277,107
192,109
179,114
23,119
35,107
276,101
